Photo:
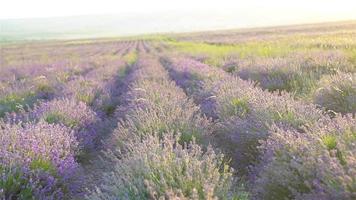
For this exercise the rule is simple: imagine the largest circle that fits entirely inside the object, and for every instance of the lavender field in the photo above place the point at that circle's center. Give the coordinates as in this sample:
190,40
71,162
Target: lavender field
265,113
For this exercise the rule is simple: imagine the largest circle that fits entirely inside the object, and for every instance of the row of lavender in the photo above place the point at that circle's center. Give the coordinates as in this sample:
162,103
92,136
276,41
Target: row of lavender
40,146
290,148
160,144
325,78
315,63
27,78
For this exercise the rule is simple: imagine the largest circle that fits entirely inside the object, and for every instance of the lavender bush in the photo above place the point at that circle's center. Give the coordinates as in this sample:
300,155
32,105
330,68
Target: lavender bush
297,73
156,104
243,112
40,146
155,169
316,164
17,96
37,160
337,93
71,113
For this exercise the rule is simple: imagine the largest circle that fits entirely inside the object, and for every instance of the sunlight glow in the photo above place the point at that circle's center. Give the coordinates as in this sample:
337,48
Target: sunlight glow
302,10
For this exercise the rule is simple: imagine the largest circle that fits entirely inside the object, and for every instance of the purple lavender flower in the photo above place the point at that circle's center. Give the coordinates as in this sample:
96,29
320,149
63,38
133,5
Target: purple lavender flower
71,113
317,164
42,156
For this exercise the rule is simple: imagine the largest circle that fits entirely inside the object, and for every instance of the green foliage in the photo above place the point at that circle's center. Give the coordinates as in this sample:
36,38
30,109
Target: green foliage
43,165
352,58
63,76
236,107
329,141
109,109
240,106
337,93
13,183
13,102
130,58
87,98
298,83
56,118
122,72
288,117
160,126
53,118
45,90
216,55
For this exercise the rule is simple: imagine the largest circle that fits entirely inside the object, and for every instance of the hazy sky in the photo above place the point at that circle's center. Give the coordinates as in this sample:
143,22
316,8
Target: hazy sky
293,10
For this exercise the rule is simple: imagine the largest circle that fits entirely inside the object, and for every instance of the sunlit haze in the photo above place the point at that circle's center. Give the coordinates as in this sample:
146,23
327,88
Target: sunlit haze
301,10
127,17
